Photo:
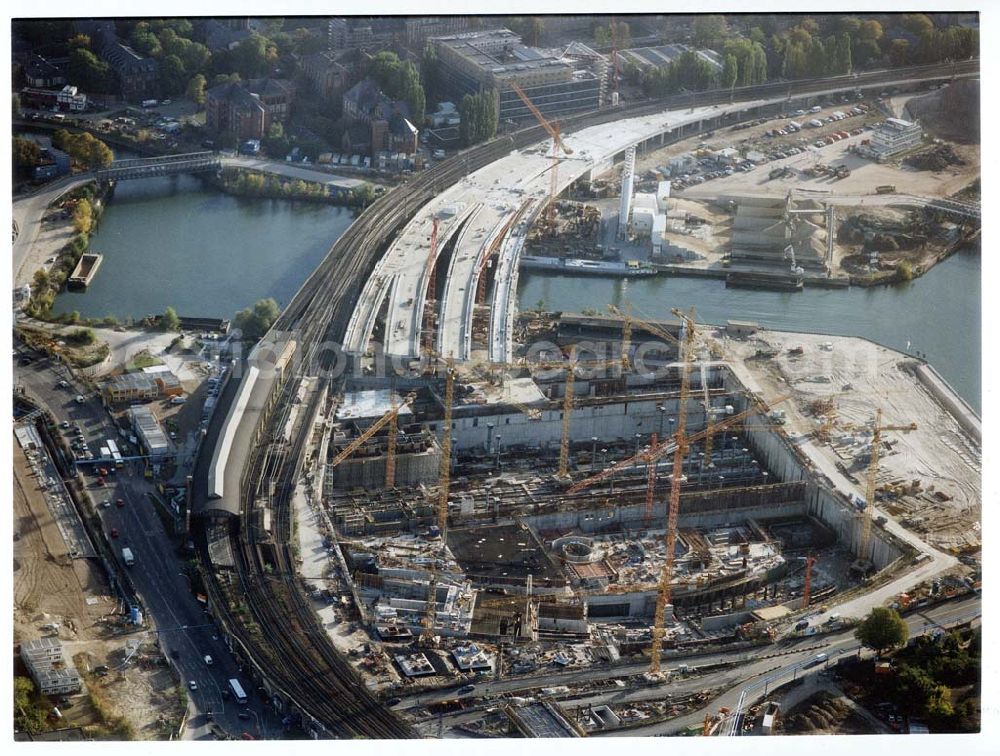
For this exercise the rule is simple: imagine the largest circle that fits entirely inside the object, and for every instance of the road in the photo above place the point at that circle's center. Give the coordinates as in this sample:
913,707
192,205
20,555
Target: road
749,666
174,615
28,212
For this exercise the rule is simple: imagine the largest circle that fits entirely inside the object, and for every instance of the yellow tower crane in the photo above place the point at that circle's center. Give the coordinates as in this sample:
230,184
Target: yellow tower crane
444,482
557,146
872,481
388,417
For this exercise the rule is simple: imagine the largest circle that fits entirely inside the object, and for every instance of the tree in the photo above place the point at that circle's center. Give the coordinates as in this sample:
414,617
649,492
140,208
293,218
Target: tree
870,30
255,322
254,56
172,75
26,155
78,41
899,52
883,629
83,217
709,30
536,28
29,716
170,321
196,89
730,70
917,24
87,72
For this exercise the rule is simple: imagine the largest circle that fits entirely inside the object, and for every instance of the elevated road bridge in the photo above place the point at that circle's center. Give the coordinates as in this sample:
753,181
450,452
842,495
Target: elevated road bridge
398,291
166,165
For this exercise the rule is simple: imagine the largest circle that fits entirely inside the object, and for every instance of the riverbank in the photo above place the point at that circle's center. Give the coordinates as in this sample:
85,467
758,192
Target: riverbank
174,241
247,182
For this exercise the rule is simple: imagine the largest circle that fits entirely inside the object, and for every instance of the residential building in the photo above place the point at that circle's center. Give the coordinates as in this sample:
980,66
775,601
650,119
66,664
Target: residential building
246,109
895,135
221,34
152,439
131,387
418,28
48,667
377,123
45,73
136,74
357,32
475,62
327,77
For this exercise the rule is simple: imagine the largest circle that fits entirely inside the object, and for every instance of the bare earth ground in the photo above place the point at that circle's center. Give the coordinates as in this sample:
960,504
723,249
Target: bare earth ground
49,587
938,454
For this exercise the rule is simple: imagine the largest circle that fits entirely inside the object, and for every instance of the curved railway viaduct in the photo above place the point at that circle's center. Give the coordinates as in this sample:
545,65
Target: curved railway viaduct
252,455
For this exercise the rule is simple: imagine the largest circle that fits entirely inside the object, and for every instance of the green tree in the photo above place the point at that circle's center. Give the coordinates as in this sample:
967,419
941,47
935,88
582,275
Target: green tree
730,70
29,716
26,155
917,24
196,89
535,30
255,322
899,52
170,321
882,629
172,75
87,72
254,56
709,30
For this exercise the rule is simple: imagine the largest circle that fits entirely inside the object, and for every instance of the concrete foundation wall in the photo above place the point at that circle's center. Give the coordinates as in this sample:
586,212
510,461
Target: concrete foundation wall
369,472
828,506
633,517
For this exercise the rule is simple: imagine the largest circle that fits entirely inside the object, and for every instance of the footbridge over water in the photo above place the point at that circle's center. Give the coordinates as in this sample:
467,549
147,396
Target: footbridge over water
166,165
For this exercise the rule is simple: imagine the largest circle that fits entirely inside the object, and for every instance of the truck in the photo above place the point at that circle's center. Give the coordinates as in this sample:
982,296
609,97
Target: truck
149,103
885,189
127,557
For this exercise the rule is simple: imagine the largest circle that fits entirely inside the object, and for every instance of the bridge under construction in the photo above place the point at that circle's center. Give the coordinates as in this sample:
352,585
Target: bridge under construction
484,495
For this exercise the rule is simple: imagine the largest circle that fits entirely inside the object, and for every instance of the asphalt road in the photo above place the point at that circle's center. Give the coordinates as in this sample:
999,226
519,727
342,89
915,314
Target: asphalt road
28,211
750,667
176,617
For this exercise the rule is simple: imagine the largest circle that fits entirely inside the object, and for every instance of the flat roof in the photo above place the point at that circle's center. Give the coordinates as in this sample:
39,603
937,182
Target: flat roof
370,404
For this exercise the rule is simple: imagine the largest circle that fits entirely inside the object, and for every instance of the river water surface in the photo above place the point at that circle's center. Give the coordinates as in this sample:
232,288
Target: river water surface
171,242
938,314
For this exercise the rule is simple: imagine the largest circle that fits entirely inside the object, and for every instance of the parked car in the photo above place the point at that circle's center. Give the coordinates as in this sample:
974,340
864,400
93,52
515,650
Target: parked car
120,503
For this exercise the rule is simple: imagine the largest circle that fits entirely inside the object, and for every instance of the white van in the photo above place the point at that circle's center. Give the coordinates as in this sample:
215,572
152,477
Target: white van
208,660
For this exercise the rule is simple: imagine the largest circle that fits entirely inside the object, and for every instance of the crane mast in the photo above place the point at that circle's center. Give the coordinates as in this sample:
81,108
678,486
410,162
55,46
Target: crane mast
680,451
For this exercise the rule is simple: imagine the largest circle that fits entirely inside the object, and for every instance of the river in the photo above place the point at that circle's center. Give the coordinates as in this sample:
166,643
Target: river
939,313
171,242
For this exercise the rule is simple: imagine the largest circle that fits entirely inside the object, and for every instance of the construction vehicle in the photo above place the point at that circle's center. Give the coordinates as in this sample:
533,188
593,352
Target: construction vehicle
885,189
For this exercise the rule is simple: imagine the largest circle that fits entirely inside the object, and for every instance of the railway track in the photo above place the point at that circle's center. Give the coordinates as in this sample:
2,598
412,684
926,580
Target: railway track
300,660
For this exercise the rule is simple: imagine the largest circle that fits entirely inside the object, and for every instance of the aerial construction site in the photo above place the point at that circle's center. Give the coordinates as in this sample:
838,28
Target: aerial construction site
494,514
